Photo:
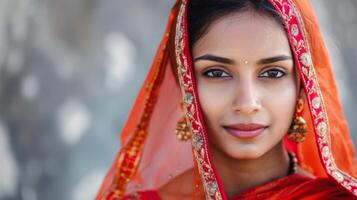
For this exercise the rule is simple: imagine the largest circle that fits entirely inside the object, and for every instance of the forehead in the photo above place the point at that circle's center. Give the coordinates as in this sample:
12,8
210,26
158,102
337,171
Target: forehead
244,33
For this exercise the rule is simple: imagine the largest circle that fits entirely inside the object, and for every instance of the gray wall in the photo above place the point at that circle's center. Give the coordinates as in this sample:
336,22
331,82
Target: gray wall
69,72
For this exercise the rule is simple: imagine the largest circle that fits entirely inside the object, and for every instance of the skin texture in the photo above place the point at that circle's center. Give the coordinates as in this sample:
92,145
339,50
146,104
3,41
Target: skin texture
244,86
246,90
245,93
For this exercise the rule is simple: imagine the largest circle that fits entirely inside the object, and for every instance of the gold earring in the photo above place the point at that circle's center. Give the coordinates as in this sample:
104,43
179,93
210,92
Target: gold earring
182,130
298,128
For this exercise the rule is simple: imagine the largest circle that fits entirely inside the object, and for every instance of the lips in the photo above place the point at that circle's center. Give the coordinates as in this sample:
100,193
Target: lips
245,131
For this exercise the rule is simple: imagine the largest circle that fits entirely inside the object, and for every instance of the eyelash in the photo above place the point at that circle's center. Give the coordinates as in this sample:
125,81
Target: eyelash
278,74
276,71
212,71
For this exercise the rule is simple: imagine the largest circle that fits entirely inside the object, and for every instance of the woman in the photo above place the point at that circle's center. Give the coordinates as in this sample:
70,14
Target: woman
261,114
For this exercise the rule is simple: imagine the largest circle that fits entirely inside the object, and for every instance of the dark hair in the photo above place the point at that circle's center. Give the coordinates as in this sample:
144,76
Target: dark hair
202,13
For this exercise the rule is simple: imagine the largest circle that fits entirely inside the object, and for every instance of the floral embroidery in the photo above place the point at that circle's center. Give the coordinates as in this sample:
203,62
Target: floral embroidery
322,128
298,39
316,103
211,188
188,98
319,116
325,152
337,176
294,30
129,156
300,46
305,59
199,143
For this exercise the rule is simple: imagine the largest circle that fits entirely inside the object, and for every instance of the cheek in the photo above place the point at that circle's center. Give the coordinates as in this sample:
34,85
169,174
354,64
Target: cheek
213,99
280,102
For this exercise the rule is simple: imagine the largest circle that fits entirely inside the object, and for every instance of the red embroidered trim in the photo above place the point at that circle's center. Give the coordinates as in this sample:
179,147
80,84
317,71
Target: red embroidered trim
297,35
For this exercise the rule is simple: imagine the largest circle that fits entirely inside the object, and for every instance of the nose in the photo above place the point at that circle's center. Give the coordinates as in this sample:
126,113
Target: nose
246,99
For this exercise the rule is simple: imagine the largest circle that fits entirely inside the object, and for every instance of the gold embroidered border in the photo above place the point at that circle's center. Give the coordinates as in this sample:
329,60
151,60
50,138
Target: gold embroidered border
314,95
317,106
199,141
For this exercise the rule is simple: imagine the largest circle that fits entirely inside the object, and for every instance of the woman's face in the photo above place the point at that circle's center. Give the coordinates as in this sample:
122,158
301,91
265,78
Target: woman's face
246,84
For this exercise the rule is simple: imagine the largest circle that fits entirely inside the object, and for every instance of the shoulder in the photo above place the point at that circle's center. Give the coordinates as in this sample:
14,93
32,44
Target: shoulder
179,187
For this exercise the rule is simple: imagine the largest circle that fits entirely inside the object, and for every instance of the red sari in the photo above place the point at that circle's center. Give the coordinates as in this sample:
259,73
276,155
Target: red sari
327,152
290,187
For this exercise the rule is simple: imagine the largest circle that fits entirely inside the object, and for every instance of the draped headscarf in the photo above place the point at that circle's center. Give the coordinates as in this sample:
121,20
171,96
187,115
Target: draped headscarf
151,155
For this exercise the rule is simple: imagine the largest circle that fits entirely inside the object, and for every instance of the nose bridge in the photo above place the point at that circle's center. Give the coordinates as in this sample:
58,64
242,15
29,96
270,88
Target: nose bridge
246,96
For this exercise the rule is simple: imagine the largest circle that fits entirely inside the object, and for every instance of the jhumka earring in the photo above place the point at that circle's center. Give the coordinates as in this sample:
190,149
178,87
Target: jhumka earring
298,128
182,130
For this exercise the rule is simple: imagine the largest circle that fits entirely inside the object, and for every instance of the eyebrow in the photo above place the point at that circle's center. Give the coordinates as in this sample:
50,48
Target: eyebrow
274,59
215,58
224,60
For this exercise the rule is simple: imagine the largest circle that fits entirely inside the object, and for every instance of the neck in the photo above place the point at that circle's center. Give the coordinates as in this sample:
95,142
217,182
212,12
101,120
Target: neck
240,175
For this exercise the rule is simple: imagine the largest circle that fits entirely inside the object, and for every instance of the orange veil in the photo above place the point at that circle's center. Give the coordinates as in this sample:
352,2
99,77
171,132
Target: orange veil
151,155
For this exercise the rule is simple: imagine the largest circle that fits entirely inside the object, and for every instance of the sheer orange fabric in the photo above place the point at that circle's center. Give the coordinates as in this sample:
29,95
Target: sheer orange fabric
151,155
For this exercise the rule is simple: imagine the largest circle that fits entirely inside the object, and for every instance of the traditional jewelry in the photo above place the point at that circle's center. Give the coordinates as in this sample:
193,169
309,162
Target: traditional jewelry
182,130
298,129
292,163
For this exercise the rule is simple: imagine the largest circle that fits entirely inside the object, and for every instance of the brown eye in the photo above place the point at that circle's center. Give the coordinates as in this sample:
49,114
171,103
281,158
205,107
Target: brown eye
216,73
272,73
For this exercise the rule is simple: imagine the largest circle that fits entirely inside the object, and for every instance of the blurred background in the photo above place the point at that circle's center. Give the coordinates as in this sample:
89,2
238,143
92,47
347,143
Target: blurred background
70,71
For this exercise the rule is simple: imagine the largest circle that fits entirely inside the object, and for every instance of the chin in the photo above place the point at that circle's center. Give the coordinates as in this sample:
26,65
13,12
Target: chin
246,152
